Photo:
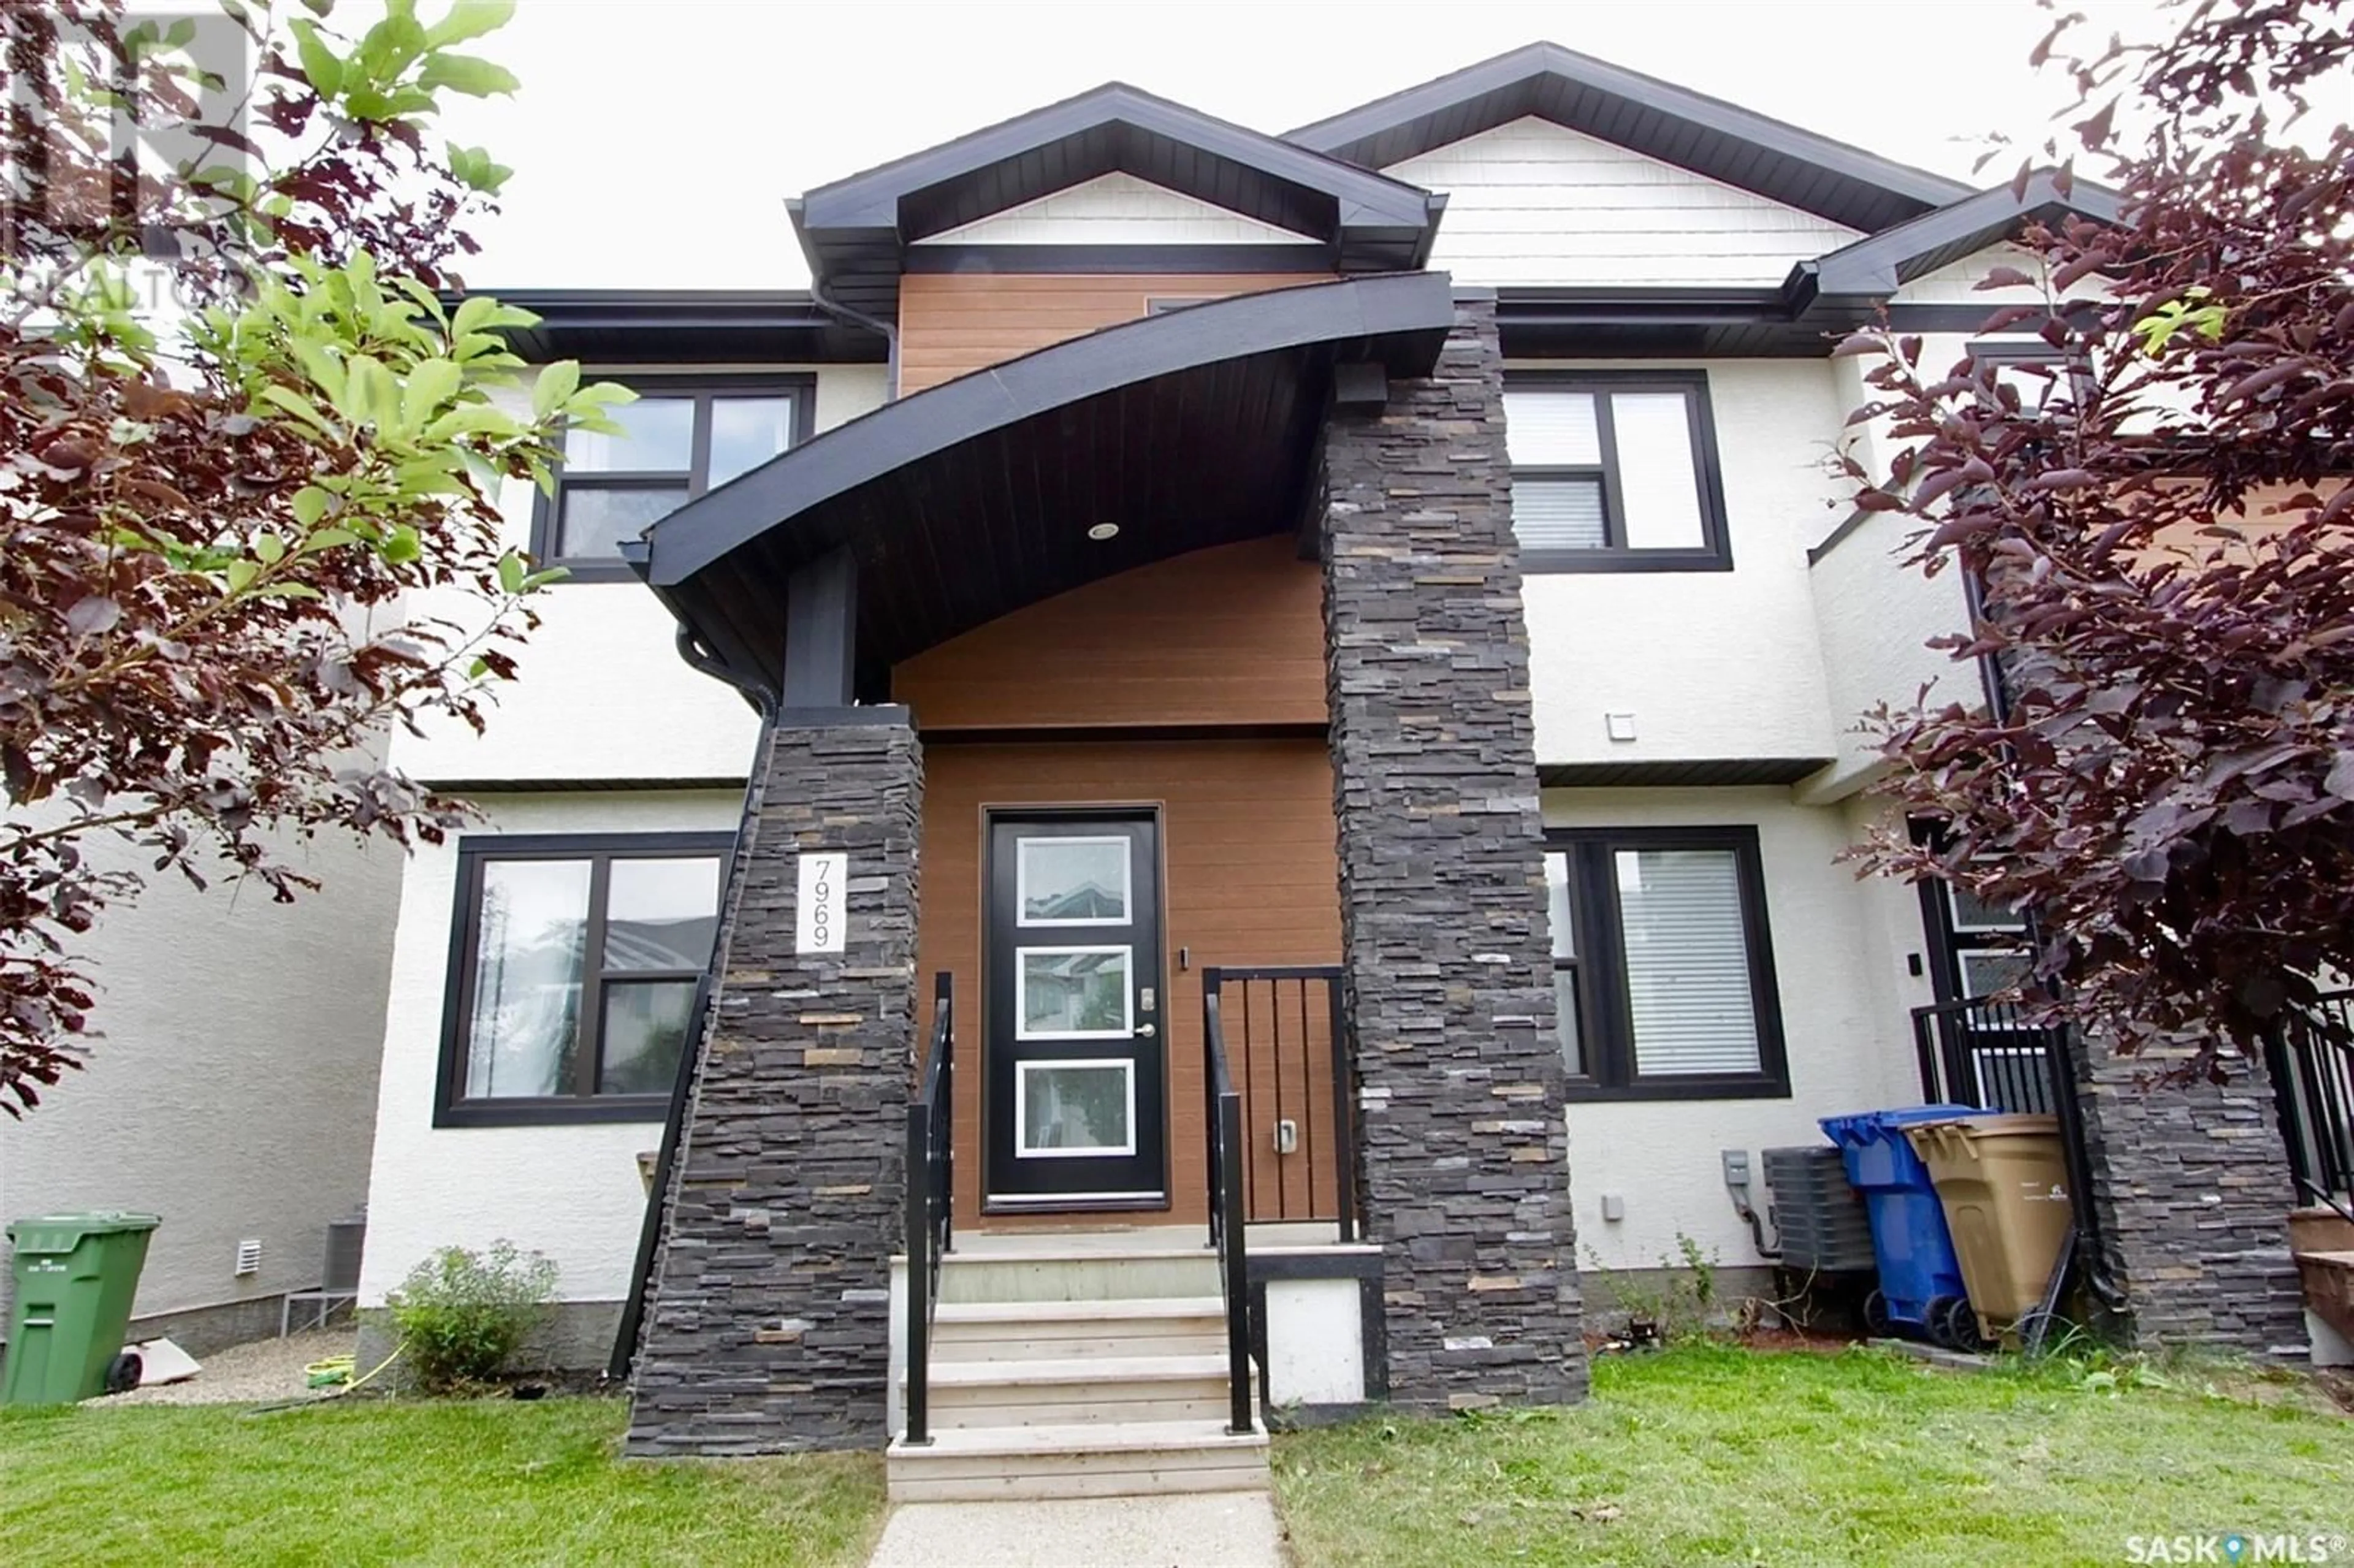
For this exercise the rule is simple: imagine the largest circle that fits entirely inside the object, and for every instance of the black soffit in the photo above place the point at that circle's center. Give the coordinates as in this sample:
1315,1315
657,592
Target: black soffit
972,499
856,231
1674,125
683,326
1879,264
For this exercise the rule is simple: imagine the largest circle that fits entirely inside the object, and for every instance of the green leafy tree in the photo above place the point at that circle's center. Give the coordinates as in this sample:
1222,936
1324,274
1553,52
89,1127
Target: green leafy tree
248,457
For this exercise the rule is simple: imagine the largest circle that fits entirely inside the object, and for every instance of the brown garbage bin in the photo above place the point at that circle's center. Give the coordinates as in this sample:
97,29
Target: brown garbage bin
2004,1187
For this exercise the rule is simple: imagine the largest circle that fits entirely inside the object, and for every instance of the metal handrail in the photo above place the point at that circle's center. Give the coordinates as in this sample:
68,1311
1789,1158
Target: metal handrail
1223,1119
1976,1052
1985,1052
2311,1059
932,1194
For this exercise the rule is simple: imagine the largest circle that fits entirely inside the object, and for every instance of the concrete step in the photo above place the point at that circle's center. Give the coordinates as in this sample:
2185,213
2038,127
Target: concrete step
1080,1389
1045,1271
2319,1228
2328,1278
1078,1460
1017,1330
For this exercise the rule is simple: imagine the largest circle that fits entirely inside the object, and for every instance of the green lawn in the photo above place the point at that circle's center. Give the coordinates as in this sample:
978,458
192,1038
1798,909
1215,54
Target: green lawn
491,1482
1709,1455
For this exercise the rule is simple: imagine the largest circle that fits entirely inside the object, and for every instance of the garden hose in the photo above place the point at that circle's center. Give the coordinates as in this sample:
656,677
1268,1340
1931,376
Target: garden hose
326,1367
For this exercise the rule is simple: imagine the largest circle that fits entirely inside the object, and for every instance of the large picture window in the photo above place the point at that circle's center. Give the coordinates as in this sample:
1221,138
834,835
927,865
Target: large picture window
573,974
1615,471
1663,964
679,440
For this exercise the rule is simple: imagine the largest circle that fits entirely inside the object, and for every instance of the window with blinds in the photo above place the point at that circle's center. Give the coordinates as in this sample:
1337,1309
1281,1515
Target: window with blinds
1614,471
1687,951
1663,964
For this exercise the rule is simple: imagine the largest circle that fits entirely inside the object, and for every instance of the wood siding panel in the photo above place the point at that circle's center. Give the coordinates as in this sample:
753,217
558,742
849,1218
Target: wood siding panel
1232,635
1247,843
952,324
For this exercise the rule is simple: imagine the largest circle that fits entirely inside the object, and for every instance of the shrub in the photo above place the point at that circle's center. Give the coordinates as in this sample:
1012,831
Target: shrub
462,1314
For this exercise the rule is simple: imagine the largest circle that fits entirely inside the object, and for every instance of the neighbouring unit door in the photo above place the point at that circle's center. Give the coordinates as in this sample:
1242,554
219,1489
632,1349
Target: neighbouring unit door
1076,1041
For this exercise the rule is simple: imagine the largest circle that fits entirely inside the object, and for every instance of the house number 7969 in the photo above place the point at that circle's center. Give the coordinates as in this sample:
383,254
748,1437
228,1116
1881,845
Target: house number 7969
819,925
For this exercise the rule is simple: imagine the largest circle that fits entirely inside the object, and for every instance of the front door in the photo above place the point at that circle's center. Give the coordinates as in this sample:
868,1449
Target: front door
1076,1087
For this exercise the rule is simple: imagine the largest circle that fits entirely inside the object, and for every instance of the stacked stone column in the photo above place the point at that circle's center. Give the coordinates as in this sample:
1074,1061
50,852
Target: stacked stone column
767,1320
2192,1190
1445,946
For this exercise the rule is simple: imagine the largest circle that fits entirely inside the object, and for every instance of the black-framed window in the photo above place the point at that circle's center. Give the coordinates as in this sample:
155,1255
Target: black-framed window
1615,471
574,961
680,438
1663,964
2034,369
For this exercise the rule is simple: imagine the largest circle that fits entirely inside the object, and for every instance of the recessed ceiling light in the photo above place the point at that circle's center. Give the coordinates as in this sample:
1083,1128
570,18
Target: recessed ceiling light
1102,531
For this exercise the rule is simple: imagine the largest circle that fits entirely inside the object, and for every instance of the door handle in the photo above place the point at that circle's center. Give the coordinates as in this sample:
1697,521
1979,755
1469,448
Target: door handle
1146,1031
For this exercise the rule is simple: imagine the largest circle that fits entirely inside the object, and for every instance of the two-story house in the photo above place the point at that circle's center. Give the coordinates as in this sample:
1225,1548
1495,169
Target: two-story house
1363,621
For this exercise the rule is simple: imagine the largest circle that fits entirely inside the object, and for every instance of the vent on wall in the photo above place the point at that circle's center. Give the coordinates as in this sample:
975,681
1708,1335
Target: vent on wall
248,1256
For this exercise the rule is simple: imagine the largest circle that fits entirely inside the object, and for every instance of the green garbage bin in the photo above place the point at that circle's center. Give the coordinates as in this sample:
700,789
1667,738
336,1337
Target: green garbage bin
76,1274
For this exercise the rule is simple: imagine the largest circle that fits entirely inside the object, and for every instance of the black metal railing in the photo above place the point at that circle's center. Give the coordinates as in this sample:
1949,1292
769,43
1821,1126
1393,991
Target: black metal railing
2311,1058
1991,1054
931,1196
1289,1032
1985,1053
1223,1118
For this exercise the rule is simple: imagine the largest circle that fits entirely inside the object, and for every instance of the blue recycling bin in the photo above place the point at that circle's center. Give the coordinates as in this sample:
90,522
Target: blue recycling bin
1920,1277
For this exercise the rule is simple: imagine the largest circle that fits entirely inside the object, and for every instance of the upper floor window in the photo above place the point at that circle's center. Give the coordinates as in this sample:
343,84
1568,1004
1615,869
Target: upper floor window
1662,966
677,440
573,972
2035,370
1615,471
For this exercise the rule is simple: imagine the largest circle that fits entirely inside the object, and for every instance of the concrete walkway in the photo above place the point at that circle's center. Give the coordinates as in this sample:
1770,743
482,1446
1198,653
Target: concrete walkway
1203,1530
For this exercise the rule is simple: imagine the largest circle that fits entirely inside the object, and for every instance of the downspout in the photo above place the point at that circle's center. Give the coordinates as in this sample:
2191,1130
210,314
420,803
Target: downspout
842,313
627,1333
2067,1103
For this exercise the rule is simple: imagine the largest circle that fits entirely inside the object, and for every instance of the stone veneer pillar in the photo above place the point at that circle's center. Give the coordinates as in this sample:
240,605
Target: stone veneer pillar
1446,947
767,1319
2192,1190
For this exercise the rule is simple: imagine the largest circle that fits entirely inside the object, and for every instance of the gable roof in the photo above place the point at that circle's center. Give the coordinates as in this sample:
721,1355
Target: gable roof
1879,264
855,229
1674,125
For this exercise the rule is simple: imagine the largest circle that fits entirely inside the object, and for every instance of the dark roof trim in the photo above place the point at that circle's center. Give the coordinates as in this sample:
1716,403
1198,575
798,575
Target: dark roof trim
857,231
1402,317
682,326
1716,773
1691,130
1881,263
872,199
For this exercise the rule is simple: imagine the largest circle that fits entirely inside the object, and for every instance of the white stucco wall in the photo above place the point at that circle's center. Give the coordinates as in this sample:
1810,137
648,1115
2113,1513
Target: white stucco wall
1876,616
1533,202
1847,1038
1711,663
603,692
1116,209
572,1192
233,1086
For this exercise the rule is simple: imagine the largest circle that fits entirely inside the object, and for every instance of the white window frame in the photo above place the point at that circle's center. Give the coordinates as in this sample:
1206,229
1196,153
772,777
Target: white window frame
1022,1071
1126,880
1021,1030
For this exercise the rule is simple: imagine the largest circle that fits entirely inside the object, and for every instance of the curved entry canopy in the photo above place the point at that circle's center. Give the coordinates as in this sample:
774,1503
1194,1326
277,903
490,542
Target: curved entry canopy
943,510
